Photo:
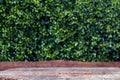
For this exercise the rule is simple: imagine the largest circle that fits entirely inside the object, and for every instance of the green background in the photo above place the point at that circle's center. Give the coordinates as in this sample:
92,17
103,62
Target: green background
38,30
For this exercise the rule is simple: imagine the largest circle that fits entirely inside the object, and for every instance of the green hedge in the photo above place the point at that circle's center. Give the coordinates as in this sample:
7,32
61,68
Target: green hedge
83,30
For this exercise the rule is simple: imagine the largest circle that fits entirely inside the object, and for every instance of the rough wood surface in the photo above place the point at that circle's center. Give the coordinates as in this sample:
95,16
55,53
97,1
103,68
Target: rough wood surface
56,63
71,73
59,70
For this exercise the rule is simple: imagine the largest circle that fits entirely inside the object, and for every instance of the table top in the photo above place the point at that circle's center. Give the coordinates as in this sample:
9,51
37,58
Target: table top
62,73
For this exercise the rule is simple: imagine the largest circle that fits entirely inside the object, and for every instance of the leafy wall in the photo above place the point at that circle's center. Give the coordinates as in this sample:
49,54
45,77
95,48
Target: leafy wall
84,30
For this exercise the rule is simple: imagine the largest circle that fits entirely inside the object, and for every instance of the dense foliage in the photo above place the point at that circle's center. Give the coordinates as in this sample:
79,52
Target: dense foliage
84,30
